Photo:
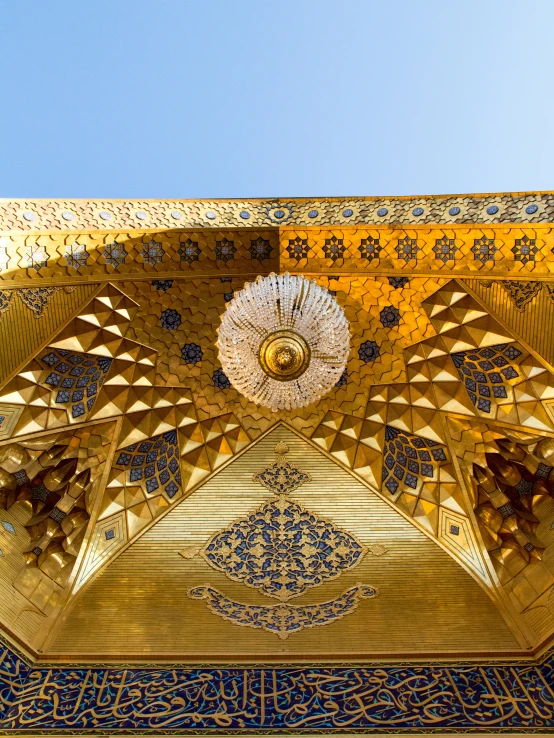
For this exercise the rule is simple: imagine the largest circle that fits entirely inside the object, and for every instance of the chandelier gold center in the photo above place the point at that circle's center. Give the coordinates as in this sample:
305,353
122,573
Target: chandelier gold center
283,341
284,355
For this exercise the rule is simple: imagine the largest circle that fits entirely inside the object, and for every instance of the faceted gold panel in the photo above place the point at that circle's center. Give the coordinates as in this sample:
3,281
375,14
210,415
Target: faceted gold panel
528,307
415,336
48,490
22,331
508,472
139,603
201,303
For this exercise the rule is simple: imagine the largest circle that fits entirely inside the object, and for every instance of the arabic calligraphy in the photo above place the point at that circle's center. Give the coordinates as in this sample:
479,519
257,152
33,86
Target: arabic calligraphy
415,698
283,619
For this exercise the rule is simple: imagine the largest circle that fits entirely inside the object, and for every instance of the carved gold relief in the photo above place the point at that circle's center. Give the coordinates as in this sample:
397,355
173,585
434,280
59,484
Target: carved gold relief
444,410
283,619
282,549
54,482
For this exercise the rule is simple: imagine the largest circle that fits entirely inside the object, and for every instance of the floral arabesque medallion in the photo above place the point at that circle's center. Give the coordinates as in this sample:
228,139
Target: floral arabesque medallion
281,548
283,619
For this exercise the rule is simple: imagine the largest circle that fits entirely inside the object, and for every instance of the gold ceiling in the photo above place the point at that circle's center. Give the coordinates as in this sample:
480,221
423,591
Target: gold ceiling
150,511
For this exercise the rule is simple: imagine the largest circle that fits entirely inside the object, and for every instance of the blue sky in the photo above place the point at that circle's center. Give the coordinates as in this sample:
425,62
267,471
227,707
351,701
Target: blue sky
236,98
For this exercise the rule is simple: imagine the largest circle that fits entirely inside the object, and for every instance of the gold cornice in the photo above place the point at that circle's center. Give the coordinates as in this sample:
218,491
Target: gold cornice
391,259
23,214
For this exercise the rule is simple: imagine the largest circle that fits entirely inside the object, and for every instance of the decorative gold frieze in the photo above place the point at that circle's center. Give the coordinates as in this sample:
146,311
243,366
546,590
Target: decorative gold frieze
67,215
485,251
283,619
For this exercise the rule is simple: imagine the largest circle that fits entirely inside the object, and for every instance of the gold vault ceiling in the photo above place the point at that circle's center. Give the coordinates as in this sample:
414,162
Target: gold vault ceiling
124,454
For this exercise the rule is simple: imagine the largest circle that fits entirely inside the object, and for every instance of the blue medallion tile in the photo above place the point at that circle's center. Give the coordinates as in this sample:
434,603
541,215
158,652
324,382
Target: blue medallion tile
368,351
170,319
220,380
191,353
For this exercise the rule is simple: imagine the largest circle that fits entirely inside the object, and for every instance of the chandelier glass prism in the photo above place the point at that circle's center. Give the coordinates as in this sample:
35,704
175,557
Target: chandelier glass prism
283,341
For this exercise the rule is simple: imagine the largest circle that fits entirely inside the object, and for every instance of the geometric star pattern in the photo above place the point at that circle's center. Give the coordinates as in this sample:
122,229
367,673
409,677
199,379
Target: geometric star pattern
485,371
75,378
153,464
464,330
450,423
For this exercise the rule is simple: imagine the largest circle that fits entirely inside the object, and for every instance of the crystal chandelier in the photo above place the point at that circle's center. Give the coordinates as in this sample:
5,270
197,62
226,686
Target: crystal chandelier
283,341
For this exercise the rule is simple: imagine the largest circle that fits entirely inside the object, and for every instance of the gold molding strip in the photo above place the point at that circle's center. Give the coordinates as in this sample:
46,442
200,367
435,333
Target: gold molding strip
522,251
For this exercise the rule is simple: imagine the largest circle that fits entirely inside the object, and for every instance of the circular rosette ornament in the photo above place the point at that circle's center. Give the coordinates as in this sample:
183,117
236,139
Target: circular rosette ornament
283,341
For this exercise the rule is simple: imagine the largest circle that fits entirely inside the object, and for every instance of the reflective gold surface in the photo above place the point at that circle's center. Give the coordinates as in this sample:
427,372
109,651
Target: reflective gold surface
284,355
140,604
421,297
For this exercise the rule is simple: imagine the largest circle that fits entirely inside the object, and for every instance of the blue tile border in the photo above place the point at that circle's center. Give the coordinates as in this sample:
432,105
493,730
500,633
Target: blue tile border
281,699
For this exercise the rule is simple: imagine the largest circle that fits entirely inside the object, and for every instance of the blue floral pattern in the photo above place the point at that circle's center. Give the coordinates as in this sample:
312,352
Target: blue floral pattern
389,316
170,319
408,460
221,380
191,353
369,351
283,550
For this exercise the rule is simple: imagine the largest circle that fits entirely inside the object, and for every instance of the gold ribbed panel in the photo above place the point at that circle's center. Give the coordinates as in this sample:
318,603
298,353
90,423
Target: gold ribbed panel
139,604
20,615
21,333
535,323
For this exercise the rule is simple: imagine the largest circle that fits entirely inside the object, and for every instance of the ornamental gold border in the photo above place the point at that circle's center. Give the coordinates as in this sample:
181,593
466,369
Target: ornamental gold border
21,214
498,256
